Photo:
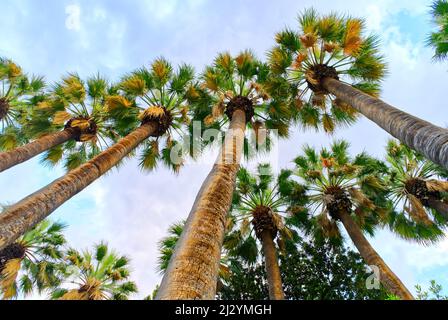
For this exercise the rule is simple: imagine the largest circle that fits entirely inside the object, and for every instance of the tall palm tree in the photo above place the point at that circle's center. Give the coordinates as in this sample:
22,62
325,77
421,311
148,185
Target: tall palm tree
18,95
347,191
262,203
241,99
159,117
167,246
71,123
97,275
36,256
418,191
337,70
439,40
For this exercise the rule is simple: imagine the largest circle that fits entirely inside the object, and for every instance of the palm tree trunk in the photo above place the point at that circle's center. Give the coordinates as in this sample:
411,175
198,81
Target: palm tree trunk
193,270
23,216
19,155
390,281
272,267
420,135
440,206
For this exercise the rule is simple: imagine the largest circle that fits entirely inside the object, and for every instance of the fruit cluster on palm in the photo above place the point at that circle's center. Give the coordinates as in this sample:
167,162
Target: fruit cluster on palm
324,75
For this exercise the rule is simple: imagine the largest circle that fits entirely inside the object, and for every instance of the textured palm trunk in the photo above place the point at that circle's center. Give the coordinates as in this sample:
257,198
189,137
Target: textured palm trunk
420,135
440,206
19,155
387,277
193,270
23,216
272,267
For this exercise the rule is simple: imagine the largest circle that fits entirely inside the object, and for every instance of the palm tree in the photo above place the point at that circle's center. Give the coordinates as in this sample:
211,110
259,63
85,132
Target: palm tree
37,257
97,275
167,246
18,95
163,113
336,70
348,191
71,123
261,202
439,40
240,98
419,194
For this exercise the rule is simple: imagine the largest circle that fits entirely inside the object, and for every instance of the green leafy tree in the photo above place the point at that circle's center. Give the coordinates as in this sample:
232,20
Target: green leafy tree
337,69
347,191
434,292
310,271
33,262
439,40
100,274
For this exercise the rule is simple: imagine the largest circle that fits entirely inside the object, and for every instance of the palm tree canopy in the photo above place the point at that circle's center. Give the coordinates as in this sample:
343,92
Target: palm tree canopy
336,181
439,40
100,274
243,82
160,93
18,96
36,256
412,181
332,46
82,107
263,202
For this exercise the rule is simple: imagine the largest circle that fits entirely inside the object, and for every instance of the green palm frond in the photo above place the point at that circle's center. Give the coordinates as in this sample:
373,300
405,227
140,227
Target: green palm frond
166,91
38,254
332,46
438,40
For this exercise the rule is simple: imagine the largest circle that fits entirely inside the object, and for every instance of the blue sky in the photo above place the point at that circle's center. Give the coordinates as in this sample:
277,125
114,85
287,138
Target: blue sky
132,210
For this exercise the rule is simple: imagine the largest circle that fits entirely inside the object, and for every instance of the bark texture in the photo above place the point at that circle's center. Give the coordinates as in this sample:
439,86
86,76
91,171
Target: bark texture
420,135
23,216
19,155
440,206
272,267
387,277
193,270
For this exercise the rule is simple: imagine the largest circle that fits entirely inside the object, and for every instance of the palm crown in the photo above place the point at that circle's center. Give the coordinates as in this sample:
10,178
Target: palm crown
263,203
97,275
163,95
82,107
37,256
413,183
327,46
18,93
439,40
243,82
335,182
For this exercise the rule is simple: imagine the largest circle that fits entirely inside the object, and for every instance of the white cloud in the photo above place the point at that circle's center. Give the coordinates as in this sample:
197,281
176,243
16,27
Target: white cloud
73,20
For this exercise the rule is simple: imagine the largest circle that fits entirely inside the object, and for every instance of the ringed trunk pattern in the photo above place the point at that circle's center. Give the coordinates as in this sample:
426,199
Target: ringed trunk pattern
23,216
420,135
272,267
387,277
19,155
193,270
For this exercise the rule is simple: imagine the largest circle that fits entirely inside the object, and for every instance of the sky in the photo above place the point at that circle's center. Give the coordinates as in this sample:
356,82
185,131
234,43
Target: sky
132,210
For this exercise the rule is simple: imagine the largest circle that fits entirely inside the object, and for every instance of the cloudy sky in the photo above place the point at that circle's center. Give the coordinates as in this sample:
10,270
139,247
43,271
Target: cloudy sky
132,210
